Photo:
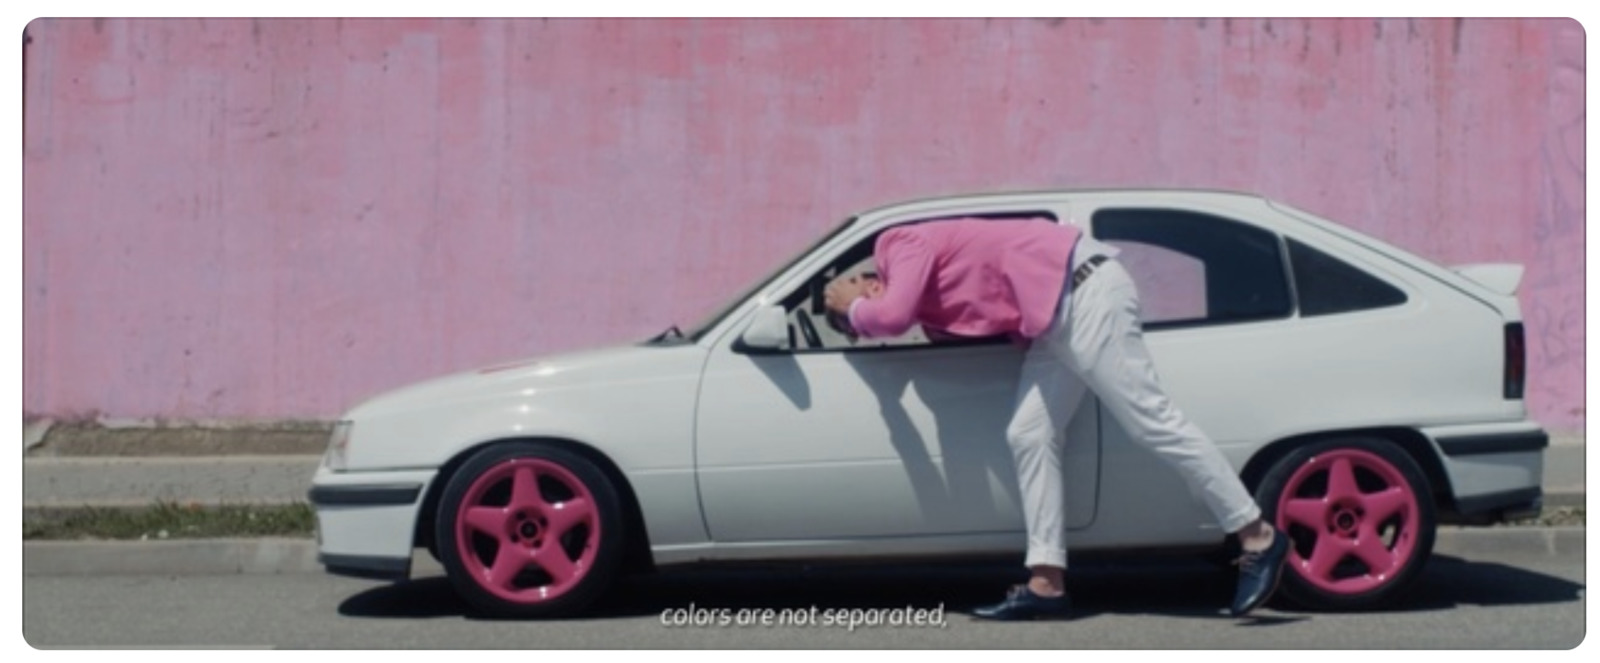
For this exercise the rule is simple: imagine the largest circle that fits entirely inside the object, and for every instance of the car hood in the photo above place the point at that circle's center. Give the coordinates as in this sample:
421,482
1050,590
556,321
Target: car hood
590,369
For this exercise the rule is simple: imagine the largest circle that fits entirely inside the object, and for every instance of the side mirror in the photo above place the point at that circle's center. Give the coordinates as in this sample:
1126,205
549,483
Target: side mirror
768,332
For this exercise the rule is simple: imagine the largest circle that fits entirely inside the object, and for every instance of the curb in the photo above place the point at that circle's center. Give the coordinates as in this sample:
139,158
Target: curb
122,481
197,557
278,556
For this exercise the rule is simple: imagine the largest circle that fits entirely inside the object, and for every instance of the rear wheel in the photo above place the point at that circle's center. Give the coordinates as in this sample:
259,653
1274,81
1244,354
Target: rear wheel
1360,517
527,529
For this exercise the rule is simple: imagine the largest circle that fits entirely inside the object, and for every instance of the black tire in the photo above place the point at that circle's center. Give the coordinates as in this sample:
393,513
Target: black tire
554,516
1360,517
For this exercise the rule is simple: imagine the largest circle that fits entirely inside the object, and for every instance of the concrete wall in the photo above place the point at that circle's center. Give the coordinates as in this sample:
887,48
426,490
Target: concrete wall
266,219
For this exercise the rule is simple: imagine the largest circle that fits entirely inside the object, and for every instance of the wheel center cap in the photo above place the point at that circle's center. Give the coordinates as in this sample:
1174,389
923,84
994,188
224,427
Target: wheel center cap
529,530
1345,521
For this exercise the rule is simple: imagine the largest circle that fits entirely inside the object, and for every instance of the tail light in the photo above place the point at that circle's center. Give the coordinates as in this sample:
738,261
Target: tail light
1516,361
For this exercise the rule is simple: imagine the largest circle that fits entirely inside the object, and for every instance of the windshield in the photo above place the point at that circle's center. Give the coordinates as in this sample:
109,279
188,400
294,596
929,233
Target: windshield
697,331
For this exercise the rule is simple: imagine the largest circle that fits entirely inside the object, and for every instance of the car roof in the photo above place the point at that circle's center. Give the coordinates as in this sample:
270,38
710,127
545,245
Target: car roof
997,196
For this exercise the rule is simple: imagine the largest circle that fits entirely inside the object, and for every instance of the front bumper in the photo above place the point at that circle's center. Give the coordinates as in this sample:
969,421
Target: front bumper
366,521
1496,471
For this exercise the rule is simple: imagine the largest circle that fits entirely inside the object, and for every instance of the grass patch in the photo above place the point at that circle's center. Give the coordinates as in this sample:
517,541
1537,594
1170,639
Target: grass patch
169,520
1562,516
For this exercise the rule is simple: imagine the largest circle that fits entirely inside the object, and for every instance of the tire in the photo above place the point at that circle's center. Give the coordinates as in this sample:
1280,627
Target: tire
528,529
1361,522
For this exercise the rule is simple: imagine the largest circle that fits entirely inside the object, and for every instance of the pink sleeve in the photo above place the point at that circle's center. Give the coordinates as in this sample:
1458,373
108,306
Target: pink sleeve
905,263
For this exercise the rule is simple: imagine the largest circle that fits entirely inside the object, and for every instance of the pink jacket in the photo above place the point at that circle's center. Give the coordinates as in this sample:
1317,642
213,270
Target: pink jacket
968,277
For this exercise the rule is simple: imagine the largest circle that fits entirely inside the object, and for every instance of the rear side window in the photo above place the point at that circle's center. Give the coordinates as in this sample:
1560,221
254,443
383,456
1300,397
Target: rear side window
1327,285
1198,269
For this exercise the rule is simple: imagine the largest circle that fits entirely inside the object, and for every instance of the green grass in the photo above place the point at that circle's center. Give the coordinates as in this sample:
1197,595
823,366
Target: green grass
1562,516
168,520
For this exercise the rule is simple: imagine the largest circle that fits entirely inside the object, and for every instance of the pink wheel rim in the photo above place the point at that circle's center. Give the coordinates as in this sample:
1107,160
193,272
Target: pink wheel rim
1352,518
527,530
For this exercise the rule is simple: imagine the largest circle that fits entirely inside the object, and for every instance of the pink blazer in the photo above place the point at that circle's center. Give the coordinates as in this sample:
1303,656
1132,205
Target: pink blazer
968,277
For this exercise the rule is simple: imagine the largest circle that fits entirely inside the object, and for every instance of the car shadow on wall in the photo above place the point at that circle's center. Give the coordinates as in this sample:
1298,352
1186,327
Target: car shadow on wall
1167,586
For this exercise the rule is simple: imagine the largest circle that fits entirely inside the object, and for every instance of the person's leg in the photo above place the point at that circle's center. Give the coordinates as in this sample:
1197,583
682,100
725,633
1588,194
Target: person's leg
1047,395
1107,348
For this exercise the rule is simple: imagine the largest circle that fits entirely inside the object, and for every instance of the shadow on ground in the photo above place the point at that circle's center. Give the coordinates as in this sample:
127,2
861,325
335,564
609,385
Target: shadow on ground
1158,586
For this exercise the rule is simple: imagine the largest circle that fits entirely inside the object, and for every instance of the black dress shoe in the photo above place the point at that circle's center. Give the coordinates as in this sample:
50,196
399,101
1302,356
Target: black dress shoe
1021,603
1259,572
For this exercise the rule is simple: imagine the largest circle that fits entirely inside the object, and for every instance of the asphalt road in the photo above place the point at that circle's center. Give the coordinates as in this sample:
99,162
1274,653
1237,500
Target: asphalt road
1493,601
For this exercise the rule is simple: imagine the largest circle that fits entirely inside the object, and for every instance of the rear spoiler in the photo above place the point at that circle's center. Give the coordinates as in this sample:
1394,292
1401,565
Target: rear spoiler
1502,278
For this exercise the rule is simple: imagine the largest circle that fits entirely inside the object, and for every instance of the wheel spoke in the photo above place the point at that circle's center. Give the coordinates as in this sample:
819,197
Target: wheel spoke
1385,503
508,562
1307,512
554,562
566,515
1325,556
490,520
524,488
1371,550
1342,480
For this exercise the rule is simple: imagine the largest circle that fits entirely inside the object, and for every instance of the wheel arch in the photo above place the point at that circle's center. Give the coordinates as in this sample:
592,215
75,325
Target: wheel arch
636,556
1409,440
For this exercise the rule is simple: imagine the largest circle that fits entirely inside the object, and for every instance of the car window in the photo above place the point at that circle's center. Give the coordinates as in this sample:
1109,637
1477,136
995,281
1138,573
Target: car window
1171,284
1198,269
1327,285
810,330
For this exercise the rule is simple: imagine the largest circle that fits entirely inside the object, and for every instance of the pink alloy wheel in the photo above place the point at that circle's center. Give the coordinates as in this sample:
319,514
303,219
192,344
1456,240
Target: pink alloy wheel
528,530
1353,519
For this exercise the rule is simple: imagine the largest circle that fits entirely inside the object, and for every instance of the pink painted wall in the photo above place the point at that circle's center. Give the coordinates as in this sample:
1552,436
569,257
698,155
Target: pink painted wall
276,218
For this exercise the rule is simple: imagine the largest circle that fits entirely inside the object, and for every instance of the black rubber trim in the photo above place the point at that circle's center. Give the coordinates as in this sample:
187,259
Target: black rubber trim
1474,445
366,495
363,566
1520,501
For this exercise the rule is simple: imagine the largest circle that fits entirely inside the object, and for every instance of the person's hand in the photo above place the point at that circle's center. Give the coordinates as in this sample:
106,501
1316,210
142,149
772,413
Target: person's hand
840,292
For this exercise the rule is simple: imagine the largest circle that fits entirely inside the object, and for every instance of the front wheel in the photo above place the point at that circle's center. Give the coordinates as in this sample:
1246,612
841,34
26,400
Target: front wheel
1360,518
527,529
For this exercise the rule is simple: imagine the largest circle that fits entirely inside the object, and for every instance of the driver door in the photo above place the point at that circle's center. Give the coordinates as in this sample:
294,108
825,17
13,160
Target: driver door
829,439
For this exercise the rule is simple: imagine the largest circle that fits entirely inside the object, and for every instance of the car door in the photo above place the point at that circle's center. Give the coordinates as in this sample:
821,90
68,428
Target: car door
842,440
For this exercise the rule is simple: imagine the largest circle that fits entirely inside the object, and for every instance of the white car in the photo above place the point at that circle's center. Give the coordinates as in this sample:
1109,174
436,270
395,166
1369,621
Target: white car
1364,394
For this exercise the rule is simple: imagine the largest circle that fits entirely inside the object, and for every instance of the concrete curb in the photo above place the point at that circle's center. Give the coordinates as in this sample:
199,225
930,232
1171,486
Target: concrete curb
286,556
122,481
197,557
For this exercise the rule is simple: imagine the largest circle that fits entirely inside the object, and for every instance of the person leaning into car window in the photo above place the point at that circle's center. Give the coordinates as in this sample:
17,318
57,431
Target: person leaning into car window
985,277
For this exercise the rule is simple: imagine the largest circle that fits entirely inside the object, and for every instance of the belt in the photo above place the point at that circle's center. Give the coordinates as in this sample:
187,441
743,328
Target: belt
1083,271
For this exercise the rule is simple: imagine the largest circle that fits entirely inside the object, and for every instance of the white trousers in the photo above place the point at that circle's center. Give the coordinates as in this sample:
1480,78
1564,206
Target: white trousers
1096,343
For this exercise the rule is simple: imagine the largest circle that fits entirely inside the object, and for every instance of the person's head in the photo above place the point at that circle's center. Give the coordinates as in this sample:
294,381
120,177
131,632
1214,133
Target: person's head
869,282
866,283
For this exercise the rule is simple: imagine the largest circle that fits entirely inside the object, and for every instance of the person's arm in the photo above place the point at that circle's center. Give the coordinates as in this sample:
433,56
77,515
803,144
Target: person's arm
906,262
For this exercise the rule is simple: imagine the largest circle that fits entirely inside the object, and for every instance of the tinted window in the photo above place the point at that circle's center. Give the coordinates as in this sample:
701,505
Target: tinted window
1196,268
1327,285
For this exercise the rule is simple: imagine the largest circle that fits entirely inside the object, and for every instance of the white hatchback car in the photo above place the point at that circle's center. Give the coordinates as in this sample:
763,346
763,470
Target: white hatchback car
1364,394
